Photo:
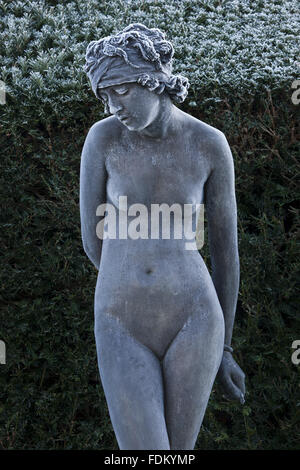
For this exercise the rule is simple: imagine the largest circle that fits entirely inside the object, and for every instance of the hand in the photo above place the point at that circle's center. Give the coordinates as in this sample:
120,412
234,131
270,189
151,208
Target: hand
231,378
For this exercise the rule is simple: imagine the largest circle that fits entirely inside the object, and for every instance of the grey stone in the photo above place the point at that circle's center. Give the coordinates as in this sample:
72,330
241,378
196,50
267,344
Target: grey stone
161,319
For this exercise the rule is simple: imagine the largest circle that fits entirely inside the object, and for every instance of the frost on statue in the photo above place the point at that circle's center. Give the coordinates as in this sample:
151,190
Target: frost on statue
163,325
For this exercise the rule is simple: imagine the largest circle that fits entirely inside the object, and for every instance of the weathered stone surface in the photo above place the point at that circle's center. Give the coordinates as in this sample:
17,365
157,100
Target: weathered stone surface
160,318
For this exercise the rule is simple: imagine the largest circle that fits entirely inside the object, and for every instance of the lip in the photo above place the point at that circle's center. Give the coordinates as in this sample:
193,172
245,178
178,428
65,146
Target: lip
123,117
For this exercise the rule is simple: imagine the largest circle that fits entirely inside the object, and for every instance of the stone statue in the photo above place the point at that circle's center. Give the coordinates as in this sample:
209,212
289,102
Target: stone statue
163,325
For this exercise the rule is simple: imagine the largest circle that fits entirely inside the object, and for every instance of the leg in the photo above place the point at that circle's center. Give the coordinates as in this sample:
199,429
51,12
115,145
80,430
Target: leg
190,366
132,381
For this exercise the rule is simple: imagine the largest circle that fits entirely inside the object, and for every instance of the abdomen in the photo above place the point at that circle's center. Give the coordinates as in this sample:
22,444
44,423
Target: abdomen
152,287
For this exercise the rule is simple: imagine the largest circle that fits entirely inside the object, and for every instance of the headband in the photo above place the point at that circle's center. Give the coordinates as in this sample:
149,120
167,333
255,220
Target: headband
114,70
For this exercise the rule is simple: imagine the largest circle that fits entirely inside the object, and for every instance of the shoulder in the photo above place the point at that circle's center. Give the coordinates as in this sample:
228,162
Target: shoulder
103,131
98,140
210,141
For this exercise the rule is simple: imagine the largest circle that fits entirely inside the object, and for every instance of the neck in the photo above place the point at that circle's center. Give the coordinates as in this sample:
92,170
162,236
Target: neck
164,124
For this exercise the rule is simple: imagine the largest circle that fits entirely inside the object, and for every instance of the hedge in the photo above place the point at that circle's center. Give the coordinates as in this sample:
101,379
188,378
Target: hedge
240,58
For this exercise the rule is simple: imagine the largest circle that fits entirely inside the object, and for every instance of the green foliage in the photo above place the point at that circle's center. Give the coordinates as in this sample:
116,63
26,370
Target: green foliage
241,75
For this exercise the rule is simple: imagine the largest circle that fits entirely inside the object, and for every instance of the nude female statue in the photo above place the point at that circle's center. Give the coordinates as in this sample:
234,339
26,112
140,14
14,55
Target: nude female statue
161,321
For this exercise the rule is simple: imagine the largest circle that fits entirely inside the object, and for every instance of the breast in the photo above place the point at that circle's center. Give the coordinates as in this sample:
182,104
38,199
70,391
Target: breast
153,179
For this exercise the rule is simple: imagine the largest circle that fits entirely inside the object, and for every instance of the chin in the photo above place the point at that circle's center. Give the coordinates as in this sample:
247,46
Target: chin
132,127
129,127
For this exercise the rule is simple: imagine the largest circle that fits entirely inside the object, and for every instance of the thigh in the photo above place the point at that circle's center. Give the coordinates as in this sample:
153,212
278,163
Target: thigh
132,381
189,369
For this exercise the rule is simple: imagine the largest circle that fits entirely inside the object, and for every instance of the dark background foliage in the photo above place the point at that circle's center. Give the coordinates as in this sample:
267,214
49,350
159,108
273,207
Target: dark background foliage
240,59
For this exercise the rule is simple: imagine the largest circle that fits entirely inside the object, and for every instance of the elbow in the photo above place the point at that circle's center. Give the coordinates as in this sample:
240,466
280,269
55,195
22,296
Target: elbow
93,257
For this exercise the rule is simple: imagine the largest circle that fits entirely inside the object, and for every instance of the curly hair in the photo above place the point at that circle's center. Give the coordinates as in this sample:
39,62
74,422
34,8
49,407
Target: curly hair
153,47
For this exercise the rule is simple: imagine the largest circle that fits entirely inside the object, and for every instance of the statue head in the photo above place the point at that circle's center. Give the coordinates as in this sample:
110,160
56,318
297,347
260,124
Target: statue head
136,55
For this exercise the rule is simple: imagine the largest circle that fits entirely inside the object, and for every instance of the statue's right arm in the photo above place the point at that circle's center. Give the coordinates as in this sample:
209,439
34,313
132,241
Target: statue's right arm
93,177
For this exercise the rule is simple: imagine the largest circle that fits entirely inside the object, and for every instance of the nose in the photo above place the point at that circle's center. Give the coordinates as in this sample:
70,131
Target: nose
114,105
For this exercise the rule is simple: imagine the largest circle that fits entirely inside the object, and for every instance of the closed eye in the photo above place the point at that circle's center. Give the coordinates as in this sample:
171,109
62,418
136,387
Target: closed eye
122,91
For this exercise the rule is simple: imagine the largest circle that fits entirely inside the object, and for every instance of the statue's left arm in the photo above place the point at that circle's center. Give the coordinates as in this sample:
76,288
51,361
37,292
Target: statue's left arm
221,211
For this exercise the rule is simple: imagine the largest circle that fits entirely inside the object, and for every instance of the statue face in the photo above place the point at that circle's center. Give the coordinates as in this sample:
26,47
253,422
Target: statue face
134,105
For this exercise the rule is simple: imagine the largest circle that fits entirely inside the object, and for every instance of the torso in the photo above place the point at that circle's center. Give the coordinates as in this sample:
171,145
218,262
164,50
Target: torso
153,286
